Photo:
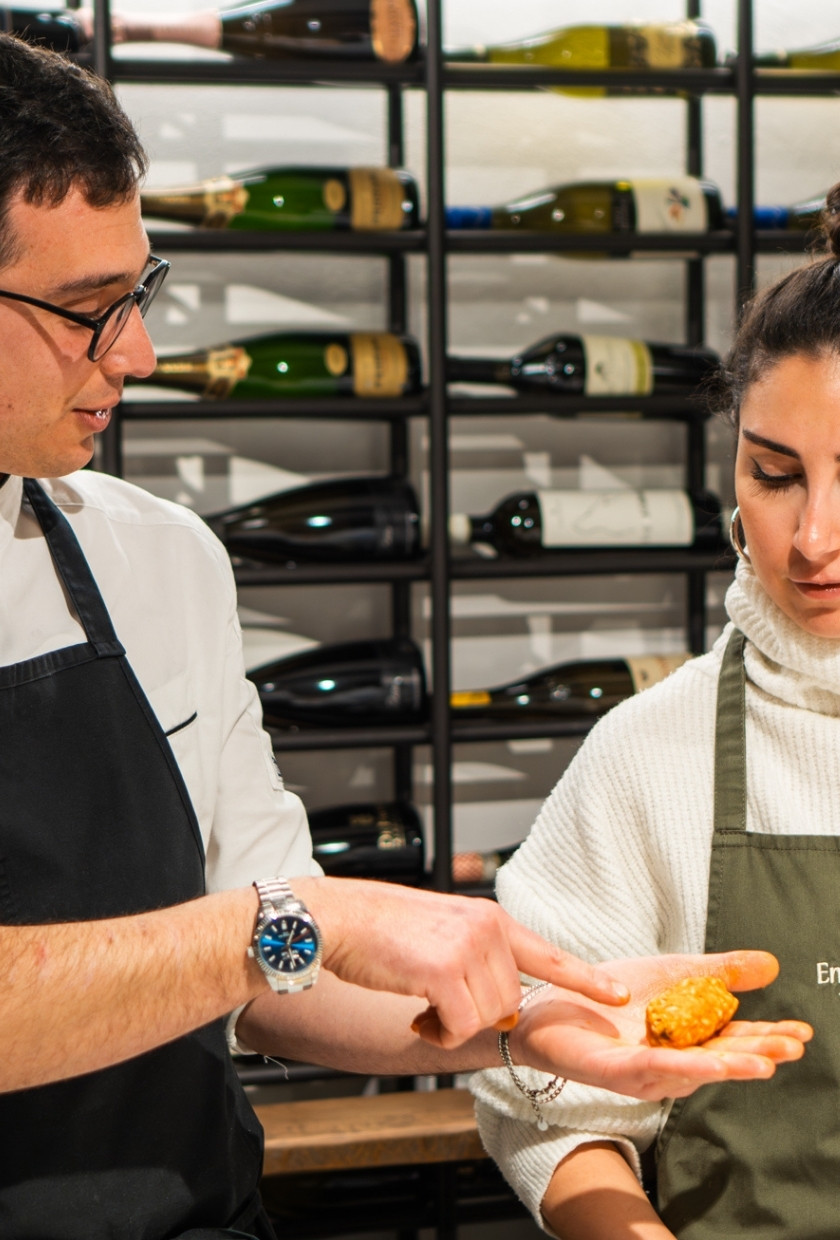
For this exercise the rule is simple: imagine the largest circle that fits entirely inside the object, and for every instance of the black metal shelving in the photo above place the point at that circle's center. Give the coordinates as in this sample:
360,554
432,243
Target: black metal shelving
439,567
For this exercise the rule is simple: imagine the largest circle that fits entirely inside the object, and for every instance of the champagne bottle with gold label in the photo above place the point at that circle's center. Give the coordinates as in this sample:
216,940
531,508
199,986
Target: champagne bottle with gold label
530,522
591,365
583,687
624,208
632,45
293,199
296,364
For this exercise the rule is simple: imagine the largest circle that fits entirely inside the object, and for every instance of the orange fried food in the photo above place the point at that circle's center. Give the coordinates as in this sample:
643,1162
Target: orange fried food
690,1012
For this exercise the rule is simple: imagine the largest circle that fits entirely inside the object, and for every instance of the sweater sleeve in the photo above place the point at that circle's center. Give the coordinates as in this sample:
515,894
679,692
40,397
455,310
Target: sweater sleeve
616,865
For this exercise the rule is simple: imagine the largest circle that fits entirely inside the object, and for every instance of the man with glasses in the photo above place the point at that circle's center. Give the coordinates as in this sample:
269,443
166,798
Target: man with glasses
135,778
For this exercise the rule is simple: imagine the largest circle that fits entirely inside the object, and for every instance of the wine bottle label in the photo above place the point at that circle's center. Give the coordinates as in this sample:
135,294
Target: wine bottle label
336,359
334,195
376,200
675,205
469,697
669,46
617,367
213,373
646,670
213,205
393,26
380,364
618,518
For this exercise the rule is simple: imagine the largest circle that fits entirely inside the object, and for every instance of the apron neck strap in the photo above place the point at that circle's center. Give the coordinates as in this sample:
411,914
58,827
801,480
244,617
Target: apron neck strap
730,741
74,571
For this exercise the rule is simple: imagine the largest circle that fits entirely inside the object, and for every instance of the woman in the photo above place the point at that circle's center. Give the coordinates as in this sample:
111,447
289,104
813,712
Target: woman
679,827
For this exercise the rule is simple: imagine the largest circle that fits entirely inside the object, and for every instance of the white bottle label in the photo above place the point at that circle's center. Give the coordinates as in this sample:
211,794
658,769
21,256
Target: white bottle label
647,670
617,367
621,518
675,205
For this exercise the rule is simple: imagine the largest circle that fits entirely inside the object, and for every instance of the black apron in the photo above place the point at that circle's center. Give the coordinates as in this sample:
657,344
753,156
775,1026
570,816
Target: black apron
762,1158
96,821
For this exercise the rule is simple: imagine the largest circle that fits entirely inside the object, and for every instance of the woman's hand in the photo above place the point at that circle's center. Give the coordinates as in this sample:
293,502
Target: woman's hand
565,1034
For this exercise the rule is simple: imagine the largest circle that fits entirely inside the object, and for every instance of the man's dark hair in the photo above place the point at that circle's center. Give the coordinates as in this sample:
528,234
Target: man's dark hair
60,128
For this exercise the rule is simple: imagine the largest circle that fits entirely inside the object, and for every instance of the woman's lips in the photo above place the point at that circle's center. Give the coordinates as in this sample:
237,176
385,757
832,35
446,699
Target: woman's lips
818,589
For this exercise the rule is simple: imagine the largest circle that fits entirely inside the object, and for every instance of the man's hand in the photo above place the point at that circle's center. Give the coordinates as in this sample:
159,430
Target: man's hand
462,956
566,1034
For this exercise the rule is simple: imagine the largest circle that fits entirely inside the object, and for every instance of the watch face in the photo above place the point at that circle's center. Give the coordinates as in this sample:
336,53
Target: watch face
288,944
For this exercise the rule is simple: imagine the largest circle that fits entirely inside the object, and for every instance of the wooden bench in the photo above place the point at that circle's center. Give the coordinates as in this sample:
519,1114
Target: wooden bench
383,1130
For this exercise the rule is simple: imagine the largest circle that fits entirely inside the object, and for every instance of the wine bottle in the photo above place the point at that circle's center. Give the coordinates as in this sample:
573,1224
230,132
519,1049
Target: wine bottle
355,30
386,840
633,45
295,364
582,687
367,518
363,682
824,57
53,26
370,840
292,199
592,366
628,207
530,522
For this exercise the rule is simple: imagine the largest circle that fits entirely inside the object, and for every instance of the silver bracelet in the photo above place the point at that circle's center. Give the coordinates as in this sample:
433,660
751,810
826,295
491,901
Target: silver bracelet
549,1092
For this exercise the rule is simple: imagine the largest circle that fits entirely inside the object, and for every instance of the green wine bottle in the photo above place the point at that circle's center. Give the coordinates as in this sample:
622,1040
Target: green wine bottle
636,205
634,45
294,364
293,199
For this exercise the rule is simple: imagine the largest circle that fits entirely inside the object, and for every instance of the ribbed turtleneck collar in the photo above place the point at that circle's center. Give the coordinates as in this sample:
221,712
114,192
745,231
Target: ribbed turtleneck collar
783,660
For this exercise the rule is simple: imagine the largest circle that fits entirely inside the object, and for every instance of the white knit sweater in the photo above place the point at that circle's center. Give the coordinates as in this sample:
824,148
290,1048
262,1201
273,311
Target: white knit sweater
617,863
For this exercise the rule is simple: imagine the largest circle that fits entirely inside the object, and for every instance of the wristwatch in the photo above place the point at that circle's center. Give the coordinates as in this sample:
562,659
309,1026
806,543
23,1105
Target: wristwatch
287,942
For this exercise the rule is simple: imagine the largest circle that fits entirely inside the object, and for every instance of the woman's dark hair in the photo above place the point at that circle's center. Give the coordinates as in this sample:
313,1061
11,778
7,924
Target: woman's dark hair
60,127
798,314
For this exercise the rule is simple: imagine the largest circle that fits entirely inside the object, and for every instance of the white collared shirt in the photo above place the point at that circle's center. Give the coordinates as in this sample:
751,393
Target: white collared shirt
169,589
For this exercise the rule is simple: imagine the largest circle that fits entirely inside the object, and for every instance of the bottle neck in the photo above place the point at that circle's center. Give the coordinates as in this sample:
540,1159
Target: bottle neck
210,204
477,370
212,373
197,29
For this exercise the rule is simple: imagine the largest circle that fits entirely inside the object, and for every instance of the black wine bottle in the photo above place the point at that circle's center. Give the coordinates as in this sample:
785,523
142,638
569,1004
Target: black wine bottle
363,682
604,208
631,45
530,522
592,366
52,26
291,199
584,687
386,840
366,518
296,364
356,30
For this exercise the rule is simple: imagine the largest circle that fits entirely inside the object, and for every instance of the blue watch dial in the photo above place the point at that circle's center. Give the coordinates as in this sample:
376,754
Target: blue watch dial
288,944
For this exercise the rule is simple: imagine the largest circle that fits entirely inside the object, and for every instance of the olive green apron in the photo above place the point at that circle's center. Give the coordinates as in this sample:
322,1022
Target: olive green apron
762,1158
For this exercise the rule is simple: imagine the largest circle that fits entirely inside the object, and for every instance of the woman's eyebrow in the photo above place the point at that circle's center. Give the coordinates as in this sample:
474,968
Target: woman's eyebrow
762,442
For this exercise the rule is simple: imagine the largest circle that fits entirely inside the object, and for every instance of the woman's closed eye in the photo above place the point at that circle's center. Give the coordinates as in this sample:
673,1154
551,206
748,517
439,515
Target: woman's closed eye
771,481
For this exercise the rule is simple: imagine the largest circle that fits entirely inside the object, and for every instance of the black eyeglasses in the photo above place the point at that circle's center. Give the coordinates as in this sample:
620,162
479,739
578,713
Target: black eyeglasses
108,326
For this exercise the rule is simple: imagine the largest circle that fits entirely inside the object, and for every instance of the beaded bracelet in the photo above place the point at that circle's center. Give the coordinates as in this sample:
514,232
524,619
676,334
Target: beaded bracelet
549,1092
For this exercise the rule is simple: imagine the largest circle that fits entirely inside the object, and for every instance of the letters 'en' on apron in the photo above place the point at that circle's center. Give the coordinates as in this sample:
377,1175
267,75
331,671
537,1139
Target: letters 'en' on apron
96,821
762,1158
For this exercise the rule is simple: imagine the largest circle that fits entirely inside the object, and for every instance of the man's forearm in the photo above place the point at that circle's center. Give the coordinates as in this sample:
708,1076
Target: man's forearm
84,995
594,1195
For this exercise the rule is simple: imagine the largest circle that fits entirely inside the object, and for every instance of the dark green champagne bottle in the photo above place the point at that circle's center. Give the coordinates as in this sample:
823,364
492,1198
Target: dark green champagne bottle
634,45
371,518
355,30
592,366
592,208
293,199
296,364
364,682
530,522
584,687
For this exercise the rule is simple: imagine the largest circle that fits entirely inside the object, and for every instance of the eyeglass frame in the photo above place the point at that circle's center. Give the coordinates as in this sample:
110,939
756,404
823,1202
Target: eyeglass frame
141,295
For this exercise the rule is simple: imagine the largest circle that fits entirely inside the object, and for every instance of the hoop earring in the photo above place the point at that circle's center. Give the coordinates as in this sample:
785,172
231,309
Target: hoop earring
736,531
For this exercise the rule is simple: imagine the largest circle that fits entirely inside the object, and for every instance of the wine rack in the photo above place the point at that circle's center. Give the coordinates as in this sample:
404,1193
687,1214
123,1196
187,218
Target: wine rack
437,80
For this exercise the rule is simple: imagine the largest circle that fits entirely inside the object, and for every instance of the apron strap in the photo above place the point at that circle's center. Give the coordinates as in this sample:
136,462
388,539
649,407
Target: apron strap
73,569
730,741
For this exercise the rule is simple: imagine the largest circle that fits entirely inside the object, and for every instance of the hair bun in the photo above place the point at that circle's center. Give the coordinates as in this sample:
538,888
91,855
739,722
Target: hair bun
830,222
